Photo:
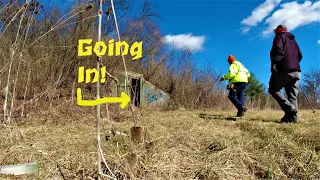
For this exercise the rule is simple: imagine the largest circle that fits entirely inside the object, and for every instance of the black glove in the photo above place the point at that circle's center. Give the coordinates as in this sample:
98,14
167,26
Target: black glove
221,79
230,87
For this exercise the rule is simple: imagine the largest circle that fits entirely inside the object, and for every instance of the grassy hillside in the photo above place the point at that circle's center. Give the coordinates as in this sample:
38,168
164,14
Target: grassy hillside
176,145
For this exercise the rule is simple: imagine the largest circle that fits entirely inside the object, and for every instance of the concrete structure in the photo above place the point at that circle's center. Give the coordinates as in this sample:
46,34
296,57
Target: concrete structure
141,92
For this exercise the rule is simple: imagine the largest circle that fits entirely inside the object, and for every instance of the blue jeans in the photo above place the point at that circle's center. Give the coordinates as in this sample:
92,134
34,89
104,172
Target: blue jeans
236,95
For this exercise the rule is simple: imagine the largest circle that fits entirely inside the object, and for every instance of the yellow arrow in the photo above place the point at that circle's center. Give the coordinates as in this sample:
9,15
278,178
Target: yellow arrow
124,100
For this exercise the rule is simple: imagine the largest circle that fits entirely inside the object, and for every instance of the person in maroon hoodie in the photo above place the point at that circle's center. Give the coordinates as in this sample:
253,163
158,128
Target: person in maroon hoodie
285,58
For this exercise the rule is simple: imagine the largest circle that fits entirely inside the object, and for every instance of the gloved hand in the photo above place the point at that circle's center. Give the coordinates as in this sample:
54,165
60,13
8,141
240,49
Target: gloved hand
274,68
221,79
230,87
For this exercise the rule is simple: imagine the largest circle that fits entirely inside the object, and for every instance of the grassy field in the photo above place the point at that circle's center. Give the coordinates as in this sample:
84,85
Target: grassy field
176,145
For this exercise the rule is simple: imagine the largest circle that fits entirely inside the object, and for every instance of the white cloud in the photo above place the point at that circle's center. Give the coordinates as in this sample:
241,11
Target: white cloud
245,30
194,43
318,42
293,15
259,13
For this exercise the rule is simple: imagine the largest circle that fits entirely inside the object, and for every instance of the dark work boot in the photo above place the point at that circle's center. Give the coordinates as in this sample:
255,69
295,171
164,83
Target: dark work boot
241,111
290,116
293,116
285,118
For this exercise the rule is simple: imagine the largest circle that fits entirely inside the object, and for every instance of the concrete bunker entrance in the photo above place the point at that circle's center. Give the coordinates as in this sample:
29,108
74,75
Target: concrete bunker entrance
135,91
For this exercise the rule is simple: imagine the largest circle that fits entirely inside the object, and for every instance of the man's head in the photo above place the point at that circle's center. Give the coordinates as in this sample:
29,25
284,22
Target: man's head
280,29
231,59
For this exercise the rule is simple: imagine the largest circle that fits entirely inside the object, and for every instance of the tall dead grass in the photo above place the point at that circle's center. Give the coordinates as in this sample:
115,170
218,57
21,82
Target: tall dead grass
176,145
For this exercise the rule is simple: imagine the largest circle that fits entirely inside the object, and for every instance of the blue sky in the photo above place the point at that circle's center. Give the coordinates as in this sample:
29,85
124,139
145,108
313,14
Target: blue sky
213,29
216,28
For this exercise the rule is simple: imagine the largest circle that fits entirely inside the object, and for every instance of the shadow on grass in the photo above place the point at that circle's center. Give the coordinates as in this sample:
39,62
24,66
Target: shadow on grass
218,116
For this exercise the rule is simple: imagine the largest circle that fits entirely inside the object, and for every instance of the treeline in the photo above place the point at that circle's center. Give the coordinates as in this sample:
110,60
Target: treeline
39,61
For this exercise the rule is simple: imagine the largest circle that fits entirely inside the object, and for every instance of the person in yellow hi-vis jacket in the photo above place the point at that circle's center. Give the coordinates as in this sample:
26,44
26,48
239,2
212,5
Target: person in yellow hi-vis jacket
238,78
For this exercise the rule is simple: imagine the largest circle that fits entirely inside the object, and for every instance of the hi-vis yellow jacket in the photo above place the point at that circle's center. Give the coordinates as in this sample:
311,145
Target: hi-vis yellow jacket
237,73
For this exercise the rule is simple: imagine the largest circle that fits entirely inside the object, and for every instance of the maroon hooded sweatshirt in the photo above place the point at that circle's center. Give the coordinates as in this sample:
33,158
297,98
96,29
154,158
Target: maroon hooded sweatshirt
285,52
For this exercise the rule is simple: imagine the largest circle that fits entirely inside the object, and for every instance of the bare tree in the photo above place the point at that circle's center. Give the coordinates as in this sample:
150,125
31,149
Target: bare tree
311,84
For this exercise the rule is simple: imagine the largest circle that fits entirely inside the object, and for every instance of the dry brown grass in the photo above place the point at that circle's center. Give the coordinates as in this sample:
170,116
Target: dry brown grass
176,145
